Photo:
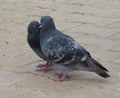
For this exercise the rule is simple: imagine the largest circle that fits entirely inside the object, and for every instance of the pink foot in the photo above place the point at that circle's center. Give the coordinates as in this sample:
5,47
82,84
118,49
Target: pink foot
44,67
61,77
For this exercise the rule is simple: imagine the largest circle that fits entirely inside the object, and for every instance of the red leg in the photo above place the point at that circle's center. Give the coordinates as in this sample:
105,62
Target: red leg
44,67
61,77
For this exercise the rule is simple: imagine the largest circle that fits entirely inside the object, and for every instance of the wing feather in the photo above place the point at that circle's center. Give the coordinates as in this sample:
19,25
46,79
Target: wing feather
60,49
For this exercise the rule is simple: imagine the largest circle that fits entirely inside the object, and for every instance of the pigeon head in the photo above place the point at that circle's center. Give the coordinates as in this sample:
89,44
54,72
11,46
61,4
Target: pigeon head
34,27
47,23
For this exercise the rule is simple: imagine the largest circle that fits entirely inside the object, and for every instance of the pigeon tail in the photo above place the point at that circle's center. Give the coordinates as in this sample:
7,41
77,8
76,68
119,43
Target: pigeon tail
99,65
100,70
103,74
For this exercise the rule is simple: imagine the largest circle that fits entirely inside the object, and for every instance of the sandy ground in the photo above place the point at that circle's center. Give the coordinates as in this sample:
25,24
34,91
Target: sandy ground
95,24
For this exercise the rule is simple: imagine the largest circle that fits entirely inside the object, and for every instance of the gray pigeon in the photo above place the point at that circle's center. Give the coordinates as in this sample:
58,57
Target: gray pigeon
65,53
34,42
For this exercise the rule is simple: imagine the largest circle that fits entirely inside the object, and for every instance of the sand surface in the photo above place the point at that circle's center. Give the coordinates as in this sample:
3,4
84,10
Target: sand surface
95,24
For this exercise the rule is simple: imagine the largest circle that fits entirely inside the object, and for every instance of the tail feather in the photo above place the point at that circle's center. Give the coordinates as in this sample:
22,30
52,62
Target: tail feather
99,65
100,70
103,74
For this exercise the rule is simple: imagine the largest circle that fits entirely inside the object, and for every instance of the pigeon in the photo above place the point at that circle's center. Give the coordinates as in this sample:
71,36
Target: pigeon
64,53
33,41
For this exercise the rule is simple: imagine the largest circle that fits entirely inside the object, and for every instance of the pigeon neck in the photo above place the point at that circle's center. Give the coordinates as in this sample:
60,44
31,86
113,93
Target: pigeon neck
48,29
33,38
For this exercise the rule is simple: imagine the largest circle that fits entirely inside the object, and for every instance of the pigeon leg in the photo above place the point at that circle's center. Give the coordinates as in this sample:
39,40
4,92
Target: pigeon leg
61,77
44,67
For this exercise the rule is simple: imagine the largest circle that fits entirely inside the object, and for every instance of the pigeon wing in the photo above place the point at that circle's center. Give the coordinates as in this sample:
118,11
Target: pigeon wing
60,49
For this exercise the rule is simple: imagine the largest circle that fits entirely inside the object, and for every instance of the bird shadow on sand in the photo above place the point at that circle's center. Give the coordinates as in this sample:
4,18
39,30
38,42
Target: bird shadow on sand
80,77
86,77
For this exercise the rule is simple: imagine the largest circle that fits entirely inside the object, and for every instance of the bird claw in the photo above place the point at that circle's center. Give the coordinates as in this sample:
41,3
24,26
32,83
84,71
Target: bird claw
44,67
61,77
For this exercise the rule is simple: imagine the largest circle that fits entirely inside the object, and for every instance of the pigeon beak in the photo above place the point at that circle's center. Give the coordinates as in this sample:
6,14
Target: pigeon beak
40,26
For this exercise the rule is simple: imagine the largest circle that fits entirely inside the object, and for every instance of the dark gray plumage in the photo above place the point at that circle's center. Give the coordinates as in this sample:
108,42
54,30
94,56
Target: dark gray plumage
64,52
34,42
